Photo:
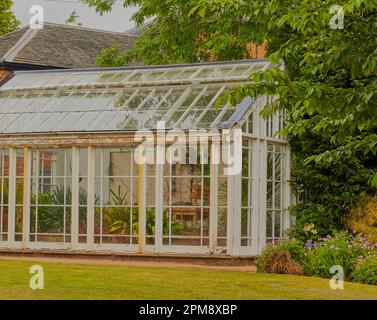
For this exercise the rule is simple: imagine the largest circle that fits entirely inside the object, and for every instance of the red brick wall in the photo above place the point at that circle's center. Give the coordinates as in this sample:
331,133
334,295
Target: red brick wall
3,74
20,166
257,52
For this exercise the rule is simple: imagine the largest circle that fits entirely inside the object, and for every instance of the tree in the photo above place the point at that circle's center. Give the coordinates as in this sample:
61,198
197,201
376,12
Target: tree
329,95
185,31
73,19
328,90
8,21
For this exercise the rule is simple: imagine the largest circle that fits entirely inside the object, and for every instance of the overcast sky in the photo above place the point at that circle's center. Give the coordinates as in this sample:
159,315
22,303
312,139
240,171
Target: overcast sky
58,11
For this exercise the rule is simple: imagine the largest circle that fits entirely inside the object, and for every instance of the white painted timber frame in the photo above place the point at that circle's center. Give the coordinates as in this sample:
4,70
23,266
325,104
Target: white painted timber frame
75,198
12,197
259,142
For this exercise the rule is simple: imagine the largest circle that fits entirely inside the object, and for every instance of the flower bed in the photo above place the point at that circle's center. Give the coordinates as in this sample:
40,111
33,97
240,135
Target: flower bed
352,252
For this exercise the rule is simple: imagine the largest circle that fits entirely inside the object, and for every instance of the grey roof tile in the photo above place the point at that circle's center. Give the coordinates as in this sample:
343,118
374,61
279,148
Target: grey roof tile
63,46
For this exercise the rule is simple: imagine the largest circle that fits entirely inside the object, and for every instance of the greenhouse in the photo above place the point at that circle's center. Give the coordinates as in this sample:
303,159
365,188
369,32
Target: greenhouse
81,169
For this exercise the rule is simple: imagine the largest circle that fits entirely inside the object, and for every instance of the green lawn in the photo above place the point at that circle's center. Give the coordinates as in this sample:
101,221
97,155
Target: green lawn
86,281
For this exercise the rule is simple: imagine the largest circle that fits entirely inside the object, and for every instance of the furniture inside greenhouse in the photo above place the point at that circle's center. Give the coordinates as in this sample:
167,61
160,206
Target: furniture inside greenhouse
69,178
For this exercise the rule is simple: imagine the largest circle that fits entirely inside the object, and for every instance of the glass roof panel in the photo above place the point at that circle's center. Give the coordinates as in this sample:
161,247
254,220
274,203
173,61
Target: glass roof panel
40,81
18,124
144,75
54,103
41,100
25,82
53,120
10,101
7,120
227,115
39,118
103,120
190,118
238,71
84,120
214,72
186,74
209,117
56,80
105,99
121,99
117,77
117,122
24,103
136,99
73,102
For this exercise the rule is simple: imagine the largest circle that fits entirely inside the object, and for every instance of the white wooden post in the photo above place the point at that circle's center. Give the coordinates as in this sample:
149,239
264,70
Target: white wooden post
91,198
159,187
142,207
75,197
262,179
262,194
230,216
214,172
234,207
237,196
255,197
159,205
287,188
26,198
12,195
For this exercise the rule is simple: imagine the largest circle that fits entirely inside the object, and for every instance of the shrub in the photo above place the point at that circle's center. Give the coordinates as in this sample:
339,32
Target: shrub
295,248
340,249
366,270
363,219
281,258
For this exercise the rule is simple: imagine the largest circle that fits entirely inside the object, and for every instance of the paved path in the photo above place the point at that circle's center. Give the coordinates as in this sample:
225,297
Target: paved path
130,263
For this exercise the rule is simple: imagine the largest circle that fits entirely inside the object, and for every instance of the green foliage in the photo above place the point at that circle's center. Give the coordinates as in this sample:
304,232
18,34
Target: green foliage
8,21
328,92
111,57
51,213
118,219
73,19
341,249
366,270
295,248
187,30
328,89
352,252
325,193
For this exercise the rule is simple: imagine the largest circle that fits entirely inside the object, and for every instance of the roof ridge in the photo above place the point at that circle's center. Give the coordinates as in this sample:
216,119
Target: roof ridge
12,53
54,24
14,31
145,67
138,27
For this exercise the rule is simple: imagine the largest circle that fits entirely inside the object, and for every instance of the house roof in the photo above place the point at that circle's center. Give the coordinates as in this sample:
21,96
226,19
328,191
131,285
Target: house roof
59,46
138,31
124,99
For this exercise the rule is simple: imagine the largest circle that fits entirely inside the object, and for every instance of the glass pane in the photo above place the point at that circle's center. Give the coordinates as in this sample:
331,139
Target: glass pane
183,105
